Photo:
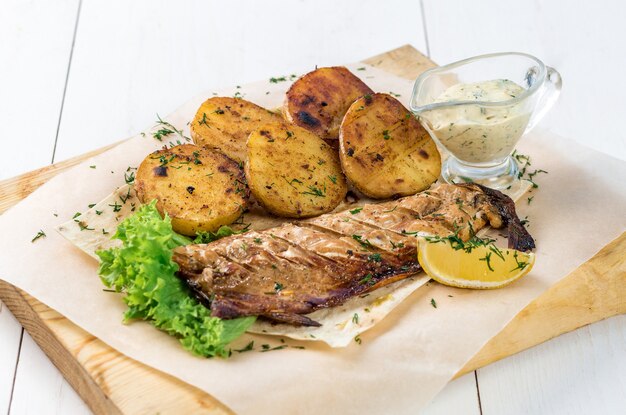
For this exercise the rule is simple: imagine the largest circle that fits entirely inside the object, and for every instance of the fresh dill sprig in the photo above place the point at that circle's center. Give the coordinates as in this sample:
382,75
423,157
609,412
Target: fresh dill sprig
167,129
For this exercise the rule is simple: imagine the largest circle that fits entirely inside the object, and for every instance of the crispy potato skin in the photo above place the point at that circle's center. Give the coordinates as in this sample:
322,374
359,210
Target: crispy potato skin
200,189
292,172
318,100
224,123
385,152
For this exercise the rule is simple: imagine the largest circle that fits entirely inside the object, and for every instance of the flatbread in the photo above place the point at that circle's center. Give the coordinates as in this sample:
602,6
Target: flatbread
341,325
92,230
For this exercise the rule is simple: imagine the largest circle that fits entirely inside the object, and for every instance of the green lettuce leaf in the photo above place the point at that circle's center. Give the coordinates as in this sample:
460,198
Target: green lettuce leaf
143,269
206,237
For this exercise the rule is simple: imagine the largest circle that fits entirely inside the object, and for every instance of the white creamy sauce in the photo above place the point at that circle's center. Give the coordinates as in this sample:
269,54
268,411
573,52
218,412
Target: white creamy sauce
475,133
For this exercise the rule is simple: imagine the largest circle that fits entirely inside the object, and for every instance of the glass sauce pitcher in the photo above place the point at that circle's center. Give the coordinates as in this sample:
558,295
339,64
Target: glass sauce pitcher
480,133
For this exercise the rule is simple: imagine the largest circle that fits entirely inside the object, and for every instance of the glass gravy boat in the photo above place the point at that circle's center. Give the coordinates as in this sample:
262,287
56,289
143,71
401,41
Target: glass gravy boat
479,133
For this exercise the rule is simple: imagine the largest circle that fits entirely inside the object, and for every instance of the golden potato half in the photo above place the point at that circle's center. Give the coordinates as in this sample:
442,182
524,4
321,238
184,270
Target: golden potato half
224,123
200,189
292,172
385,152
318,100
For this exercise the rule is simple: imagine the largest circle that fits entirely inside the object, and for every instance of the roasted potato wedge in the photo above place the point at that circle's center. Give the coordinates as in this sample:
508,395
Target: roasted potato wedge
385,152
292,172
224,123
318,100
199,188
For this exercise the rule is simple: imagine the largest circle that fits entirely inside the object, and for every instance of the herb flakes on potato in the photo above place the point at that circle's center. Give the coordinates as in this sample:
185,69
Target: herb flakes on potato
224,123
385,152
292,172
318,100
200,189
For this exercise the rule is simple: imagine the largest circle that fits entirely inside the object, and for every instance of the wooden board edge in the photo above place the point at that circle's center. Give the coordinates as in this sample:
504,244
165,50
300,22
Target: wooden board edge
13,190
60,356
97,371
405,62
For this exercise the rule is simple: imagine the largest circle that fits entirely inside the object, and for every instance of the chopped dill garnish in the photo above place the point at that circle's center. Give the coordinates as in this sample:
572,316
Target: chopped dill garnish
487,259
366,279
267,348
520,264
40,234
247,348
129,178
314,191
365,243
84,227
374,258
116,207
167,129
398,245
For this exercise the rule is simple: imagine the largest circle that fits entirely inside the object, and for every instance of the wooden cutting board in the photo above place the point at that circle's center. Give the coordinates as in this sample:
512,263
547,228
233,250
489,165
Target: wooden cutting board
110,382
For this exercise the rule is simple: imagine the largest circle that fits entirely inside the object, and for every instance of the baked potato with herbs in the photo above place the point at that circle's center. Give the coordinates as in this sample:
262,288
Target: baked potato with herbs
292,172
318,100
224,123
385,152
200,189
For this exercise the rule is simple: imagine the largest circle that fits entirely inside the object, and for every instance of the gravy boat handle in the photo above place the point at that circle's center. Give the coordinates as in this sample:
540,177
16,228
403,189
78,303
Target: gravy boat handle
549,96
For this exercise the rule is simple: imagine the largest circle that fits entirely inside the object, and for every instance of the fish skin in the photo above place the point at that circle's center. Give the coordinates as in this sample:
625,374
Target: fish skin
286,272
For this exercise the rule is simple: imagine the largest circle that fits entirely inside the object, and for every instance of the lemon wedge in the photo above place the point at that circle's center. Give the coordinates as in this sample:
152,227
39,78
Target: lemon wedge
478,265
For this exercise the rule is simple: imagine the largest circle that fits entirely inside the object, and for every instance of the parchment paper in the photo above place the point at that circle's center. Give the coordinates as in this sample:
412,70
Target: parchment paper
401,363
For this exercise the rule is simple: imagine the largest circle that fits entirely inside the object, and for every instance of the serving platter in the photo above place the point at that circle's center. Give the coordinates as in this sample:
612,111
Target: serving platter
109,382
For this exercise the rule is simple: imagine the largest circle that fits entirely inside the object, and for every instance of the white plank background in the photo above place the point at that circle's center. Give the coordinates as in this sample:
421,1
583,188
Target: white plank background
79,74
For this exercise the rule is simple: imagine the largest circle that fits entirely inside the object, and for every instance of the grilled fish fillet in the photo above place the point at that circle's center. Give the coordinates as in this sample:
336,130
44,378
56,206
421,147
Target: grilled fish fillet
284,273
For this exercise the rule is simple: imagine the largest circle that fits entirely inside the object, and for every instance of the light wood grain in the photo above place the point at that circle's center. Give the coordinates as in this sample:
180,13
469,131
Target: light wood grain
582,372
48,393
151,55
107,380
30,102
104,378
35,45
17,188
10,333
458,397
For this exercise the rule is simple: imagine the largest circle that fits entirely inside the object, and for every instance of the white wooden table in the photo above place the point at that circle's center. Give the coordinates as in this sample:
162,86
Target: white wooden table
78,74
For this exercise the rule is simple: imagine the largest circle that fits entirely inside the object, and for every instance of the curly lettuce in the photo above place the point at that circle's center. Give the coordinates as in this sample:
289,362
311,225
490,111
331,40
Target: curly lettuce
224,231
143,269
